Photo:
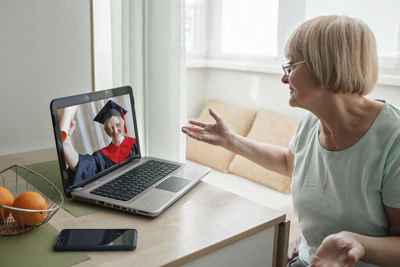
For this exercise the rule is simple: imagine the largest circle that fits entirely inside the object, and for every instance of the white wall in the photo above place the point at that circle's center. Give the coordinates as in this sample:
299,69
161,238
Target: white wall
196,94
253,90
44,54
247,89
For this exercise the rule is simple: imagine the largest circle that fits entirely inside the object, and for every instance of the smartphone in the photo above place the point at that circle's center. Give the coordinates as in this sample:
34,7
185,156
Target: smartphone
96,239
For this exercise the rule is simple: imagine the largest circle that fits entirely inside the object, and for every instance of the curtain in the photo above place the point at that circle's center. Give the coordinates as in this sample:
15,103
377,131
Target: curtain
164,68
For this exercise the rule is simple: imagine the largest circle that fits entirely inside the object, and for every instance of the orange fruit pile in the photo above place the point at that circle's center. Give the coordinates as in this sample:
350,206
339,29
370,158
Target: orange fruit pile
26,200
6,199
30,201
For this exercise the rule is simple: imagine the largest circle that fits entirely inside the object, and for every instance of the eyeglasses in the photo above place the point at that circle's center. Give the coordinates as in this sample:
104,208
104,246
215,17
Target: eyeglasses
287,69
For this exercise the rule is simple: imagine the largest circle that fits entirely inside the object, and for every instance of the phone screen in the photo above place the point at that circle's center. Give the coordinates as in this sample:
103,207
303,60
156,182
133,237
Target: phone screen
96,239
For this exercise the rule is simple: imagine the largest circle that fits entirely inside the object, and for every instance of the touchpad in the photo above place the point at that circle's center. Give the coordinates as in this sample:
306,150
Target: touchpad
173,184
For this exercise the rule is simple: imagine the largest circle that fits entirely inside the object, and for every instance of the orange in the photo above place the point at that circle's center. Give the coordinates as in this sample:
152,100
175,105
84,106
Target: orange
6,198
30,201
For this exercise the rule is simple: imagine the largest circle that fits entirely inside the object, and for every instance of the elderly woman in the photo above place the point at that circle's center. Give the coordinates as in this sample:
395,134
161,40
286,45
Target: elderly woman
344,158
121,147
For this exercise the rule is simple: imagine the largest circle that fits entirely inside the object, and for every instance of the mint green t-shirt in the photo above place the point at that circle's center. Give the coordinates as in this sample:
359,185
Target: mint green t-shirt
345,190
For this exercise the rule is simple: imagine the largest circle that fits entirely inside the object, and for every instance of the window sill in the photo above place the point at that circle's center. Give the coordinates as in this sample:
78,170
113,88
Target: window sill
248,66
271,68
387,79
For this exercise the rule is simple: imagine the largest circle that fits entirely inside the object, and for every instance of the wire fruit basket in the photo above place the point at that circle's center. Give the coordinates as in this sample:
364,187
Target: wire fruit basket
19,179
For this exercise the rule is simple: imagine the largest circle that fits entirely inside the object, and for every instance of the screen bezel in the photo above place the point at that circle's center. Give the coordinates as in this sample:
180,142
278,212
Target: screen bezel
83,99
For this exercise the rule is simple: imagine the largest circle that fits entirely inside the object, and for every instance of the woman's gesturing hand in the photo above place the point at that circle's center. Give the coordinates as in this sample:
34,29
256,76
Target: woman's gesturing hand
338,250
217,133
71,127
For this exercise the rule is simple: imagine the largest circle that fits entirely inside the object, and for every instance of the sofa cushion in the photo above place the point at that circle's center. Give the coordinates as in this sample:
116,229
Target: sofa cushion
270,128
239,120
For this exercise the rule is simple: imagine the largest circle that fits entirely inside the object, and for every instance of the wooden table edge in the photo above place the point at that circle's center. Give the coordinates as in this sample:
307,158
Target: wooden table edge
226,242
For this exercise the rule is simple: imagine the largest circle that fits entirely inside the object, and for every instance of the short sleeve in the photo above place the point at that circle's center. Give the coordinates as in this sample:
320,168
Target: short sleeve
293,145
391,175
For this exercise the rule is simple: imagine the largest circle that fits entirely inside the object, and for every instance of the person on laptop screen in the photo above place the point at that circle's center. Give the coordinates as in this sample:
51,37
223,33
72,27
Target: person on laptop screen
81,167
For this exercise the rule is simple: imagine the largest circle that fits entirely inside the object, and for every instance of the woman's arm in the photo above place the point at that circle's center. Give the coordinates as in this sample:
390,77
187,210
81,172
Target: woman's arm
383,251
70,154
345,248
275,158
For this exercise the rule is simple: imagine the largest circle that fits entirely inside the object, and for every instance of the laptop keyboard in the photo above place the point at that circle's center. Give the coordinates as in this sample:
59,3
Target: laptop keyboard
132,183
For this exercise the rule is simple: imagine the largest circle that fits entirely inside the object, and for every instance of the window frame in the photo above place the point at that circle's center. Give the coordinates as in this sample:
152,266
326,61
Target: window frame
207,55
213,58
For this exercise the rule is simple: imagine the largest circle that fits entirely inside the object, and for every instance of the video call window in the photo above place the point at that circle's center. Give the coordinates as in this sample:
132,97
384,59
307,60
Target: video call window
96,136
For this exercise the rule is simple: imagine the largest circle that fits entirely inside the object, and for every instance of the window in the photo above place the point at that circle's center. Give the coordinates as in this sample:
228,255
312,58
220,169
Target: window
251,34
195,26
382,17
249,27
235,33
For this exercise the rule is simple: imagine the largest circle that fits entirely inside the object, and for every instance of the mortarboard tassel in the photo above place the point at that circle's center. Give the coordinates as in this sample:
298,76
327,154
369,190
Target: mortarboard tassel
123,117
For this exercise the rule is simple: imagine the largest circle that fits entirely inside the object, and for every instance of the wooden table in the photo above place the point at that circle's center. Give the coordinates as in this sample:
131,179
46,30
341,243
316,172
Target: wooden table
206,227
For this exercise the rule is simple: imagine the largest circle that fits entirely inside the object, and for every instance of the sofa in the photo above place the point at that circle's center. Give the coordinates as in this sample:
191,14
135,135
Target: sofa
240,176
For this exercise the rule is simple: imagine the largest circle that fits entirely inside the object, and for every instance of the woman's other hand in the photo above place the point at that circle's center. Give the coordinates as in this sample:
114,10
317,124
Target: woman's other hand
217,133
338,250
70,154
71,127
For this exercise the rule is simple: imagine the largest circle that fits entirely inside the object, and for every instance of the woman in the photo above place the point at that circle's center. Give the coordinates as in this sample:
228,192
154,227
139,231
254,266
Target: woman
344,158
121,147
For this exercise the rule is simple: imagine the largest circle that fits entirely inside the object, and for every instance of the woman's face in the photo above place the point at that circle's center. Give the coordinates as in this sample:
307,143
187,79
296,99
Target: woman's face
115,130
302,88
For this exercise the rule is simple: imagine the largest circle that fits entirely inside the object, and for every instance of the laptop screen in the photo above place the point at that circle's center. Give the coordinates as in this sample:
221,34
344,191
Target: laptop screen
94,133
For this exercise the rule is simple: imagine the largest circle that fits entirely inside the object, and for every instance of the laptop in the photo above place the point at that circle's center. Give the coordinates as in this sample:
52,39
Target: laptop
100,159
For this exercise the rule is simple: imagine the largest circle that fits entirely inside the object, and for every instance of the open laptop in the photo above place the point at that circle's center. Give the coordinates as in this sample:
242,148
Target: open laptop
98,149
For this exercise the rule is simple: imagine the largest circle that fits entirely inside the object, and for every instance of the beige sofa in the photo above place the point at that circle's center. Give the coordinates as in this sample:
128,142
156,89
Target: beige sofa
237,174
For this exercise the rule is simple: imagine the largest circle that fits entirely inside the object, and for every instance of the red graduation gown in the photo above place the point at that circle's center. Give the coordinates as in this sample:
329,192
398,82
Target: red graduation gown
119,153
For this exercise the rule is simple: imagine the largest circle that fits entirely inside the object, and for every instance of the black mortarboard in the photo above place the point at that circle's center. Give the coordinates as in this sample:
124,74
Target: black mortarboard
110,109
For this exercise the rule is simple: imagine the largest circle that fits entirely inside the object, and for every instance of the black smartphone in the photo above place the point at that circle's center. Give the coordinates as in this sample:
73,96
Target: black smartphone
96,239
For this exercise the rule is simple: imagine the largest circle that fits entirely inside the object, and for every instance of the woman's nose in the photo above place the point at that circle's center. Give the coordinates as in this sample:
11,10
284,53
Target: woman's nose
285,79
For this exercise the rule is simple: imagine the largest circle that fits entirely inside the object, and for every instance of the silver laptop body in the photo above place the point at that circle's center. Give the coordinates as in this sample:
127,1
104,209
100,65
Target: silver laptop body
90,137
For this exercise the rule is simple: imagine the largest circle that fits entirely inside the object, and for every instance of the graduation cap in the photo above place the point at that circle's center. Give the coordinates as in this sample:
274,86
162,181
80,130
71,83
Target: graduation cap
110,109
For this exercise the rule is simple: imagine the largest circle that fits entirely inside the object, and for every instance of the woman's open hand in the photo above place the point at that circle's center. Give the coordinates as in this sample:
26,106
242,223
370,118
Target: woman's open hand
217,133
71,127
338,250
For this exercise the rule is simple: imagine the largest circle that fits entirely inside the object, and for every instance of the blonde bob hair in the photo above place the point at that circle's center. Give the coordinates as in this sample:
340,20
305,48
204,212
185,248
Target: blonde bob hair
107,124
339,52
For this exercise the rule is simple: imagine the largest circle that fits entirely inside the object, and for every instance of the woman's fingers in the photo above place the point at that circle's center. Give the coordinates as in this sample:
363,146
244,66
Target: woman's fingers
338,250
187,129
198,123
214,114
71,127
195,133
